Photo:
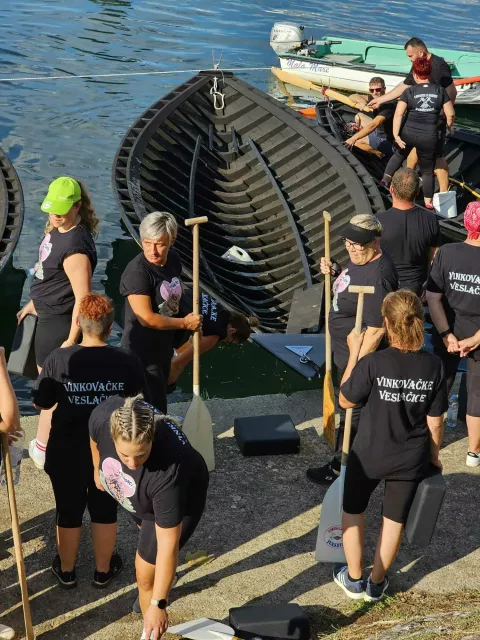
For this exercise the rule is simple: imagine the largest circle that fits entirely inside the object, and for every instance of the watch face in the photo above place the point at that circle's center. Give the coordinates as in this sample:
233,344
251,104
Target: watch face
162,604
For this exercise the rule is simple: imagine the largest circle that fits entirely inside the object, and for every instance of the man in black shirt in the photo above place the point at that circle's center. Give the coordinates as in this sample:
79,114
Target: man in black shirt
376,134
411,235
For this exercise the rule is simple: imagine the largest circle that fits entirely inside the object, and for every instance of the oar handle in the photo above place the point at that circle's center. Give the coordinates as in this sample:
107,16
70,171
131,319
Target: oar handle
328,293
17,541
358,329
196,296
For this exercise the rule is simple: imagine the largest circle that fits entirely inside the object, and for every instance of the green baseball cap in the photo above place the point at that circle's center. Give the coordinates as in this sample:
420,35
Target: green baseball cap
62,194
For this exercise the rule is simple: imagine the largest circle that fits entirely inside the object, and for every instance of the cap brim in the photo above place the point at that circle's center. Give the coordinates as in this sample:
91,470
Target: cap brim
58,208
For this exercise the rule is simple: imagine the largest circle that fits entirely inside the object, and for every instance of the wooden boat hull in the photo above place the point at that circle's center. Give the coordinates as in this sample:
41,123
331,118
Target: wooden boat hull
260,172
11,209
462,151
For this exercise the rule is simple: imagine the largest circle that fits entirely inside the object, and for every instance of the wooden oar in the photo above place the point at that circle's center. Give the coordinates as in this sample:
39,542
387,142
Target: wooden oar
329,546
465,186
198,423
17,541
292,78
328,394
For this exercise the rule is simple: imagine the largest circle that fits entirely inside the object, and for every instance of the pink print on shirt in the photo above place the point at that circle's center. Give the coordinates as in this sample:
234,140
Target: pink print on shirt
43,253
118,484
340,284
171,292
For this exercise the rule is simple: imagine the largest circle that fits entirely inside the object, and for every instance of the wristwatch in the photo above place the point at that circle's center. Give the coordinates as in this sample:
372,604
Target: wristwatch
161,604
445,333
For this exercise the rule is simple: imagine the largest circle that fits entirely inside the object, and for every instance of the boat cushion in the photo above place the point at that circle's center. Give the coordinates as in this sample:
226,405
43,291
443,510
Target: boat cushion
266,435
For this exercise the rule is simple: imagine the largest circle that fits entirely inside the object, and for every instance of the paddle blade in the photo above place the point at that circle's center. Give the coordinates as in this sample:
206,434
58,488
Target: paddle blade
329,410
203,629
329,538
197,426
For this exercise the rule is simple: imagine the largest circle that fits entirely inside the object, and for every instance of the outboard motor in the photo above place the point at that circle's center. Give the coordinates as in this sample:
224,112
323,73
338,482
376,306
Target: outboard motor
286,36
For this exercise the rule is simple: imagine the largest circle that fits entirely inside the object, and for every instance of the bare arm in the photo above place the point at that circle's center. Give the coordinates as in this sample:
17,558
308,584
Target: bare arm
432,251
439,318
142,308
449,113
28,308
435,426
183,359
398,118
96,464
372,338
79,272
452,92
394,93
363,133
9,414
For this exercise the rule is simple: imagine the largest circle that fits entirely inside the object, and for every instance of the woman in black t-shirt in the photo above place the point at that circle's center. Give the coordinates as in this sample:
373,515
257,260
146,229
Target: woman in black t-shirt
218,325
152,287
74,380
423,104
146,463
453,296
368,266
403,393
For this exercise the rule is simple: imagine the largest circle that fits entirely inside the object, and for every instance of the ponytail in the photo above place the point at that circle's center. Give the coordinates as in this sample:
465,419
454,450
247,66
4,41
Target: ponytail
243,325
405,314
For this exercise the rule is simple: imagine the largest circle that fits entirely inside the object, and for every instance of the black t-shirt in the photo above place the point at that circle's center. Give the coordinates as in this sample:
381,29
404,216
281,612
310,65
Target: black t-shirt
406,237
456,273
51,290
215,319
398,390
165,486
424,105
387,110
164,287
79,379
441,73
379,273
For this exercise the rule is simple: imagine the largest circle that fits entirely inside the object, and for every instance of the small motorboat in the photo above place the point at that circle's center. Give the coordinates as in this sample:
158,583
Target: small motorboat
11,209
462,151
263,175
350,64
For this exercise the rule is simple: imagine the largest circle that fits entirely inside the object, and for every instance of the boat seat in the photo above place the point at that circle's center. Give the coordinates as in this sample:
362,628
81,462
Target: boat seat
343,58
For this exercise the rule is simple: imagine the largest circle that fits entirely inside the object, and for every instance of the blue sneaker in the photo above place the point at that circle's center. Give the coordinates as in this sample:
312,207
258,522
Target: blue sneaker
353,588
375,592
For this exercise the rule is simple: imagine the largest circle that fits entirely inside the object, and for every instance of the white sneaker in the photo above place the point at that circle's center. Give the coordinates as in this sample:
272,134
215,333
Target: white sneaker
37,456
6,633
473,460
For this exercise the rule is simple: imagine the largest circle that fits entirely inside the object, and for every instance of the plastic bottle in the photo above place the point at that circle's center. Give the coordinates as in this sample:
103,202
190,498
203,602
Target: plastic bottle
452,412
16,455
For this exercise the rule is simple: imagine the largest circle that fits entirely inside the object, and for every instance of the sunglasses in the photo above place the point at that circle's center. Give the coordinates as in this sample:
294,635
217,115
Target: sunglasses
376,90
353,245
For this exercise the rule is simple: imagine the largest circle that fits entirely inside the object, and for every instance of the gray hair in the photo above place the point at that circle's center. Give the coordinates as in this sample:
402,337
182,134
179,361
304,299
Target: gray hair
367,221
158,223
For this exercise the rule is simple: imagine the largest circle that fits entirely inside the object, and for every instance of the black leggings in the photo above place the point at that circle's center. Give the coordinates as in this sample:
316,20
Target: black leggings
71,474
51,332
426,144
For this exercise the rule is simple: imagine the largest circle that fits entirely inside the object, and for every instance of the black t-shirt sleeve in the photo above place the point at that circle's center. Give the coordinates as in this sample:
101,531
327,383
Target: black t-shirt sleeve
435,237
445,74
436,278
167,502
136,382
94,424
44,394
440,399
358,387
387,109
373,302
444,96
135,280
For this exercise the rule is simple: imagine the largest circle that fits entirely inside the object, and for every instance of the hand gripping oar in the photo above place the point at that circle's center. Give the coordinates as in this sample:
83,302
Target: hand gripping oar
329,546
17,541
198,424
328,393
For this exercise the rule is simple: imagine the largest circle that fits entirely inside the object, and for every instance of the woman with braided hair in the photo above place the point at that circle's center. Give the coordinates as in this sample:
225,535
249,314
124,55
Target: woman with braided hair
142,459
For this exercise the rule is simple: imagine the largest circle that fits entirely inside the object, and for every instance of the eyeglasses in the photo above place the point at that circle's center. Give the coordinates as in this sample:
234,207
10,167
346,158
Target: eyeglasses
376,89
353,245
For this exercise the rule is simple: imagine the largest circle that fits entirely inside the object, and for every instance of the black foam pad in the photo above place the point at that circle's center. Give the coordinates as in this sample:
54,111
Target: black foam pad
425,508
270,621
22,356
266,435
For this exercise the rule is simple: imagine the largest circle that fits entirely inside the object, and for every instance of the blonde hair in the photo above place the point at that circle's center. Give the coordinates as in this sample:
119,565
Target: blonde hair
136,421
405,314
156,224
367,221
86,212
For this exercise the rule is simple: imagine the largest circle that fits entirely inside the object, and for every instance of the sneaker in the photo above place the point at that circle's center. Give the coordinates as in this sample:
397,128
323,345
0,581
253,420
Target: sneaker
102,579
375,592
325,474
430,207
473,459
66,579
353,588
6,633
36,451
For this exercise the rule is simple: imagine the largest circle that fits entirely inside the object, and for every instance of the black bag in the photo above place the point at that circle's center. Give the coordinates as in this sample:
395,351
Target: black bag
425,508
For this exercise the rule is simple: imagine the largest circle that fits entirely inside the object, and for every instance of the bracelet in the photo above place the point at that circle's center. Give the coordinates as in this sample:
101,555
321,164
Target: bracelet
445,333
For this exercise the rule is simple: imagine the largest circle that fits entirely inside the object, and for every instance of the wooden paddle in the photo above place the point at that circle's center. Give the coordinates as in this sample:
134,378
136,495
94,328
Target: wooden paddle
197,425
17,541
329,546
328,394
292,78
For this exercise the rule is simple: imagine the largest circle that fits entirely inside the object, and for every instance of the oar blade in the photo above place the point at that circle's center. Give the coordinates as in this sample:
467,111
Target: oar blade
198,428
328,410
203,629
329,546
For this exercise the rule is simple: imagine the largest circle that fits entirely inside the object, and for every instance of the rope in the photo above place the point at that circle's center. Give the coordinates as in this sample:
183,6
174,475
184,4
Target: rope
124,75
218,97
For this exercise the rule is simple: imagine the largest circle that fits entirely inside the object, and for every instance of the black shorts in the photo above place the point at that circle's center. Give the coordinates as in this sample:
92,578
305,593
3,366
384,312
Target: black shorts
147,541
70,469
51,332
397,498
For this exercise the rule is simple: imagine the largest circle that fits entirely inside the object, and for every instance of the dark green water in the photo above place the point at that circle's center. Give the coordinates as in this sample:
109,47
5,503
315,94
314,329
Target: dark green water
74,126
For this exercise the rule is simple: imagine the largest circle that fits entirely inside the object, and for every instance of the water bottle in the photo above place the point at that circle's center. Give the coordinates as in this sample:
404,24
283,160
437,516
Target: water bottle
16,455
452,411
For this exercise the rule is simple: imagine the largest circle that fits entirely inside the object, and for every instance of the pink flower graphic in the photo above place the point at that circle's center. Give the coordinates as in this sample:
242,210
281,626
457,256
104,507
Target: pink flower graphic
171,292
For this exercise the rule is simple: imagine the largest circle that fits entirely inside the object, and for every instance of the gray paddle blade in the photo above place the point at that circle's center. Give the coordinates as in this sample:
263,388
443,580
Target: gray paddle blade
329,546
203,629
197,426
